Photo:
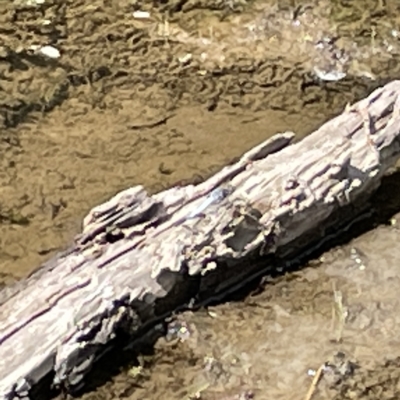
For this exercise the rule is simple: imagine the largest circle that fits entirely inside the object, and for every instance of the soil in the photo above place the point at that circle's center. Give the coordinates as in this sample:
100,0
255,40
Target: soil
171,98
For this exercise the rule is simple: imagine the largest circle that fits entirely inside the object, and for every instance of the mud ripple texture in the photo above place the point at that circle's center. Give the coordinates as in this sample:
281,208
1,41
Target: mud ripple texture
172,98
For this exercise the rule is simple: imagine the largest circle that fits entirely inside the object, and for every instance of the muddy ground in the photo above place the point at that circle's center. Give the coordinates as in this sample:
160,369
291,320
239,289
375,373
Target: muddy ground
171,98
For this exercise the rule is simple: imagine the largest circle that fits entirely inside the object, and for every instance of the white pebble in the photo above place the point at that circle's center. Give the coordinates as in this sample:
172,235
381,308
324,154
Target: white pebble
311,372
141,14
49,51
331,76
185,58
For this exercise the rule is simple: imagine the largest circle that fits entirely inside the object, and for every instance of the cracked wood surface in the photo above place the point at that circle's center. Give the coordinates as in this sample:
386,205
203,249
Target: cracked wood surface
136,251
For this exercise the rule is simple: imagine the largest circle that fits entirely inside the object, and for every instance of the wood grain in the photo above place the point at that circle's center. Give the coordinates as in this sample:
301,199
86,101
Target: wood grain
137,251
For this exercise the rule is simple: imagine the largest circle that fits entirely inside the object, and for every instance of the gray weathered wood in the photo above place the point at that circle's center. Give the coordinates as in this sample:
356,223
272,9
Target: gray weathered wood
136,249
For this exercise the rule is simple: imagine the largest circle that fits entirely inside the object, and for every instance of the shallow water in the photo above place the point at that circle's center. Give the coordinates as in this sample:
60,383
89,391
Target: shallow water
126,105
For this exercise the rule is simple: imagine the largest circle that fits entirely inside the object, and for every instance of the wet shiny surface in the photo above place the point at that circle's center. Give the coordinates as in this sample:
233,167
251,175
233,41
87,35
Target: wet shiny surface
172,99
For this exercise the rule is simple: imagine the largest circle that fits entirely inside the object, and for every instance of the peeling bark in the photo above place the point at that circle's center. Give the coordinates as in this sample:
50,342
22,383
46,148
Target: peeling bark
136,253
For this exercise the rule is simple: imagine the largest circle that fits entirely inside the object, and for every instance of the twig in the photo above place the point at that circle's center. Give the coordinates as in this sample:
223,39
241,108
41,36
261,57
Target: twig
314,383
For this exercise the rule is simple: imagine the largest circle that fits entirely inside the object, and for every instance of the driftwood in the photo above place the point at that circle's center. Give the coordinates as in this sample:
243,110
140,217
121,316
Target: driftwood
138,255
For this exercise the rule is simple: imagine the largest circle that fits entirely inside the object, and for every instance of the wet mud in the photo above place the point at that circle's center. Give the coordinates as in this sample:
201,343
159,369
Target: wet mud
161,92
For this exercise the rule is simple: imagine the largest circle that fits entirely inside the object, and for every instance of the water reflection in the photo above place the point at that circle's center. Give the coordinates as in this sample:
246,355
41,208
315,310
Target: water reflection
306,332
312,35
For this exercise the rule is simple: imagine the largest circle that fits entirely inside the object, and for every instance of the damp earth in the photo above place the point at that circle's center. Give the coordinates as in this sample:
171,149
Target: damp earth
99,96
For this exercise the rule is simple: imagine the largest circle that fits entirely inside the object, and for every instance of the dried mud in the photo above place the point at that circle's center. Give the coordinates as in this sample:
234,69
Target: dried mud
170,99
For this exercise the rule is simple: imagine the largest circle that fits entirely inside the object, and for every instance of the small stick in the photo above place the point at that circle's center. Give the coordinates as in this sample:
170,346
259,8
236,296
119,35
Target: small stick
314,383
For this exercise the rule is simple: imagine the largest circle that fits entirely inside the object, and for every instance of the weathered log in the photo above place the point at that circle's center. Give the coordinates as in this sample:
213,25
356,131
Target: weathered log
136,253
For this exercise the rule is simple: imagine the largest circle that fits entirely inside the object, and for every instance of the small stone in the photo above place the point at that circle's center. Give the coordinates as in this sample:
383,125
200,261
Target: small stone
49,51
185,59
141,14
